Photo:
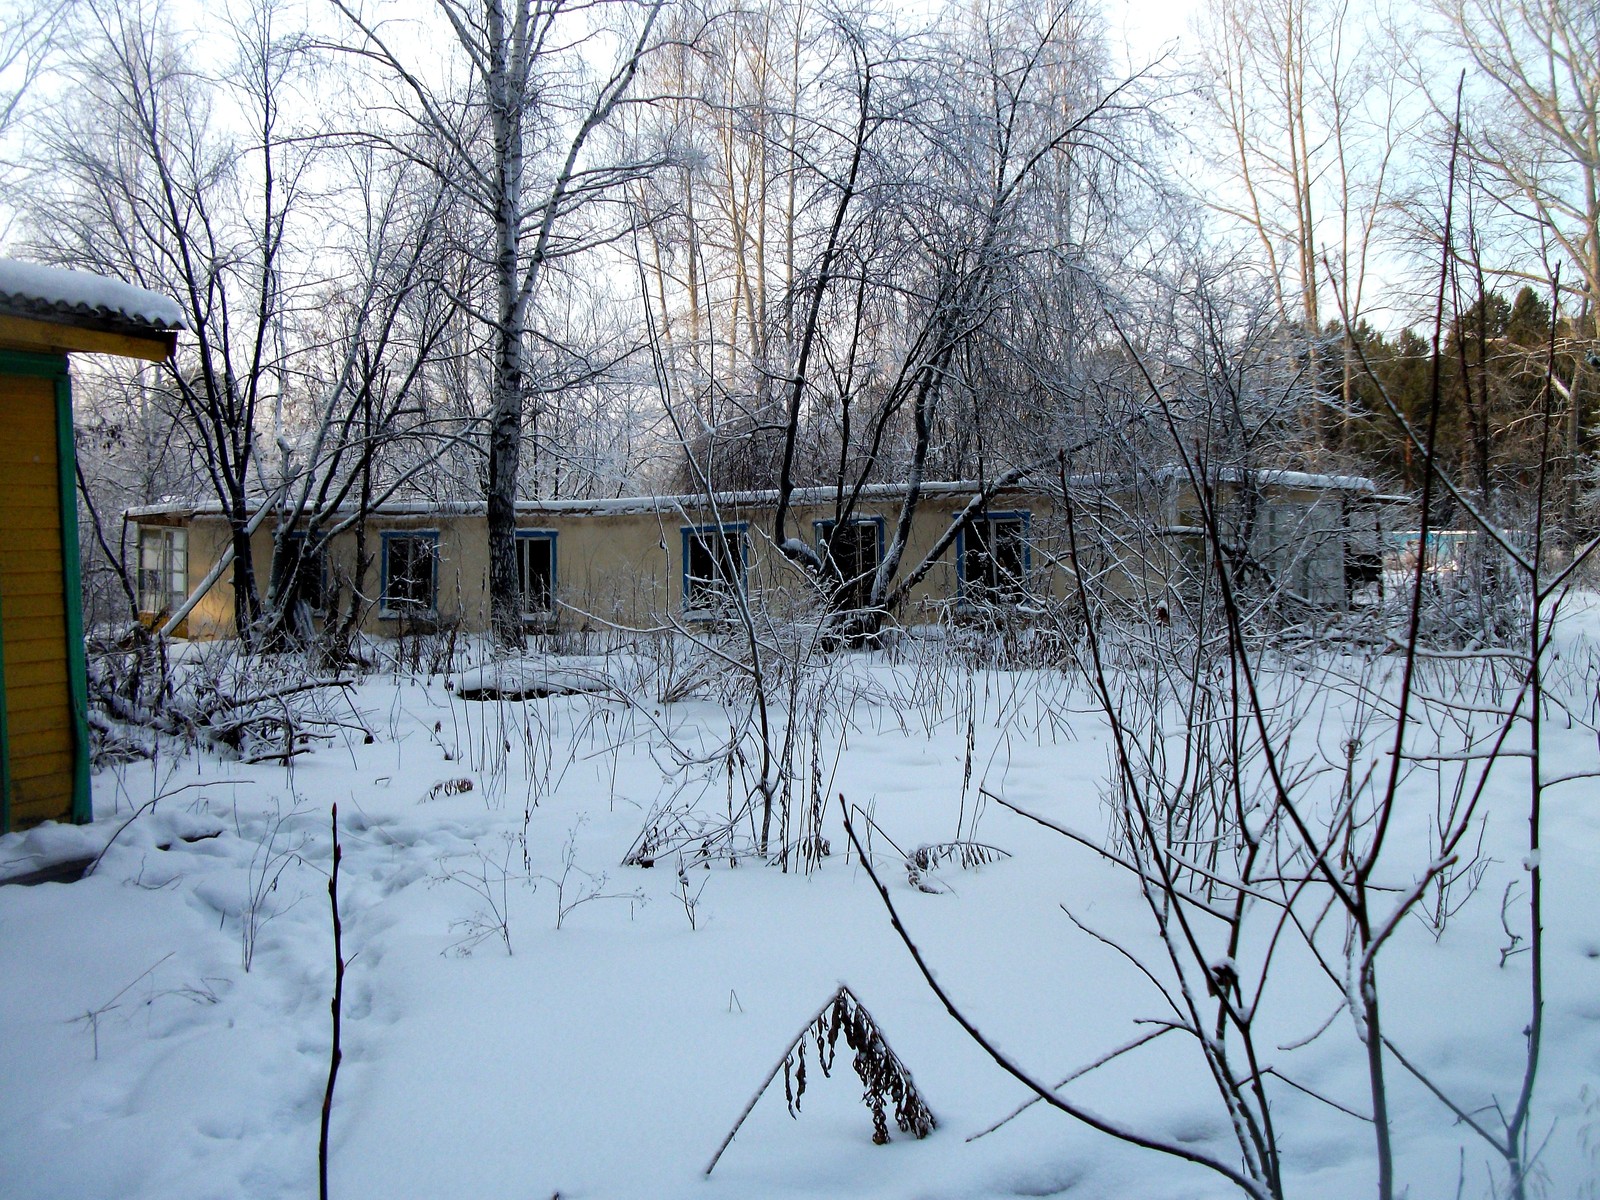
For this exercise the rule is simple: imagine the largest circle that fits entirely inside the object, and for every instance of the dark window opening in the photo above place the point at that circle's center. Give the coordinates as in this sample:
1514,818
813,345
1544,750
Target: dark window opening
410,564
855,552
713,566
536,573
994,559
303,574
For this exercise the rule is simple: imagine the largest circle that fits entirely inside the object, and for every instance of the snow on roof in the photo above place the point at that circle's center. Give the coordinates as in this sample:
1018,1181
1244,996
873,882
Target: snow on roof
50,293
1306,480
614,506
960,489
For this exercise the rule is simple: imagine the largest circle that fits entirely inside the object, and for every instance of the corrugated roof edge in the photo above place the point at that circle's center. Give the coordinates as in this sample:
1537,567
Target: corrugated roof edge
52,293
696,502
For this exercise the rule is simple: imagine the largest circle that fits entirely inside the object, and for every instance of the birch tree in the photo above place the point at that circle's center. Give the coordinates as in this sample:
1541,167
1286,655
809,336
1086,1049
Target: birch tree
1534,148
514,147
1536,142
1312,116
745,98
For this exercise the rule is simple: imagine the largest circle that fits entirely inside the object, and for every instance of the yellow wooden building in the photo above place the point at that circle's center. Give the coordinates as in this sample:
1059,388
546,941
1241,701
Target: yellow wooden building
45,315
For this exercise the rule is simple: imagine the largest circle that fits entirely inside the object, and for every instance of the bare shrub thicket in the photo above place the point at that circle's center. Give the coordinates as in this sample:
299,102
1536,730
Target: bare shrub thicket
1262,786
1302,753
252,707
758,794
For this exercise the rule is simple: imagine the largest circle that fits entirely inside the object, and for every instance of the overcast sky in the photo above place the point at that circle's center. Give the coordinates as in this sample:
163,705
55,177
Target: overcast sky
1149,27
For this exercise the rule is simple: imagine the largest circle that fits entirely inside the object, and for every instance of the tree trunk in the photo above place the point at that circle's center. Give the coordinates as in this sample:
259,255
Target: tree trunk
505,428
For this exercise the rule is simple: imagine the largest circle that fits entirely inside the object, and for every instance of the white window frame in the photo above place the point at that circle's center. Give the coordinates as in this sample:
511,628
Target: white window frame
859,587
708,595
163,568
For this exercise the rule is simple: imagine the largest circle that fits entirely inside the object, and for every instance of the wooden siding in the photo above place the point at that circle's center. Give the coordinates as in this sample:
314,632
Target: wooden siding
33,605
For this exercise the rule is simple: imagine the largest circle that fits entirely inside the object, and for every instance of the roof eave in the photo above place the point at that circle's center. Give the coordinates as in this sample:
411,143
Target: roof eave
74,334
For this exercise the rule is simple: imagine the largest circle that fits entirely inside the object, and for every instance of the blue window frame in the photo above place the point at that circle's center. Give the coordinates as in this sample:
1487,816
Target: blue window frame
857,552
410,573
993,558
536,573
715,560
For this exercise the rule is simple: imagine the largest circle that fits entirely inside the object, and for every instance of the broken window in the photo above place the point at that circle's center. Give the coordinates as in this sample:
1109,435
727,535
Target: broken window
713,566
410,573
993,554
536,572
163,569
855,550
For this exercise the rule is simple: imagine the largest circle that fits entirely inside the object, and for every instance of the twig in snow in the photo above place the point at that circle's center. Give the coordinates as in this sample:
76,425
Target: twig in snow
335,1054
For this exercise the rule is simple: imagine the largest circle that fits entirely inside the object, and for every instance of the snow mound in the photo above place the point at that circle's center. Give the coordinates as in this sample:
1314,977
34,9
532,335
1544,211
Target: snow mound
531,679
53,852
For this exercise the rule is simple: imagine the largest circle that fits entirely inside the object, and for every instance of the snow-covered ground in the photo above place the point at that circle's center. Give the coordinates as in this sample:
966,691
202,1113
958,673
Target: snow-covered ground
524,1016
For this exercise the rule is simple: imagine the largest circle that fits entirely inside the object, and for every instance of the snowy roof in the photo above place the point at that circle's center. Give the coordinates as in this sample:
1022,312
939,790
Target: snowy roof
1302,480
960,489
615,505
53,294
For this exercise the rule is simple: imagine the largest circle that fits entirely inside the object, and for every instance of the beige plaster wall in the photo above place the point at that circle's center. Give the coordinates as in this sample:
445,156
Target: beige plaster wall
622,569
625,568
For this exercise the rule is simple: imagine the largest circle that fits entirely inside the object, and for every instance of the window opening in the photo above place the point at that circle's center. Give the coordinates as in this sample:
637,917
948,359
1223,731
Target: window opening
994,558
304,573
163,569
856,551
713,566
410,570
536,572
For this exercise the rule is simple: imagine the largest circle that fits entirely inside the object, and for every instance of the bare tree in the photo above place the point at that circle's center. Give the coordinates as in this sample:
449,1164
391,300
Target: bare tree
26,40
901,224
357,433
1313,115
1534,149
514,149
188,185
1535,140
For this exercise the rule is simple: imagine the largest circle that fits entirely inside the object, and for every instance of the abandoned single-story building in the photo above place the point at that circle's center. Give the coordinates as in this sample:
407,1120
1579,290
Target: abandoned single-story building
45,315
645,562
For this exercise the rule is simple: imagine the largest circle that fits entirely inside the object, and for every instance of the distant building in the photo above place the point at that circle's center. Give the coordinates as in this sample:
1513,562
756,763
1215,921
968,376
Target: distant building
647,561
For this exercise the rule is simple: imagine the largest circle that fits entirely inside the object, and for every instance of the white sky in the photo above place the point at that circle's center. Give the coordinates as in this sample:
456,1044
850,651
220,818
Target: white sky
1150,28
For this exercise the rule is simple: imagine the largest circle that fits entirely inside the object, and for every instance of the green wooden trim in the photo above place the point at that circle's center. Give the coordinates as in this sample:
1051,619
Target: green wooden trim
53,367
5,743
37,366
72,582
